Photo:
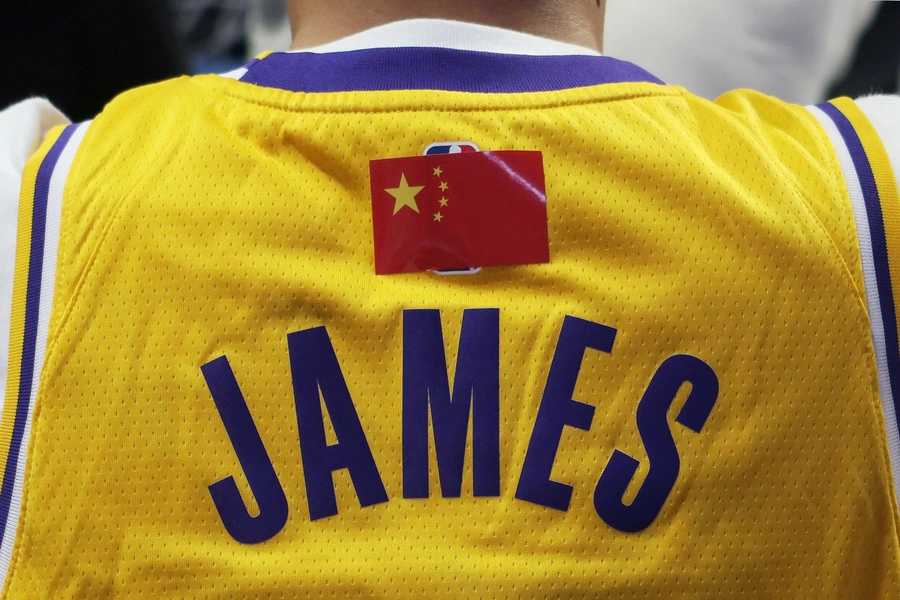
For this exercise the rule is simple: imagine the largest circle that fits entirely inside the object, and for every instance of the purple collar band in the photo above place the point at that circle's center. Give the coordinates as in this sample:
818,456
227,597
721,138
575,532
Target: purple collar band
382,69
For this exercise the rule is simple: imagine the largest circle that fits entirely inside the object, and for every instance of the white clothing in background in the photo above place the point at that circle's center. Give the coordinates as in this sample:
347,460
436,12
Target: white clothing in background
792,49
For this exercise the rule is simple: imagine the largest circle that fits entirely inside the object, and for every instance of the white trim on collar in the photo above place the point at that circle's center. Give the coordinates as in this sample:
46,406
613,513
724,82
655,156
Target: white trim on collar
457,35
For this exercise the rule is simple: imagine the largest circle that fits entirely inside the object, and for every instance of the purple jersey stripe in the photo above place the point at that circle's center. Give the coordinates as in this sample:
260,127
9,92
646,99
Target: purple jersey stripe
382,69
250,64
32,310
875,218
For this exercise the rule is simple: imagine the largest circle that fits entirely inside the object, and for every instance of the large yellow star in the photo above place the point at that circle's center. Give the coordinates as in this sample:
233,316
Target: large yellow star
405,194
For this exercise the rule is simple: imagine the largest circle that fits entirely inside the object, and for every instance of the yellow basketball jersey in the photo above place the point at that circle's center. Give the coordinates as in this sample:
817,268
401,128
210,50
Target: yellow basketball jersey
213,395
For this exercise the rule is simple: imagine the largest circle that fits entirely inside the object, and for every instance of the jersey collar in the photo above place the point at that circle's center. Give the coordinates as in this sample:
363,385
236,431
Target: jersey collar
427,54
454,35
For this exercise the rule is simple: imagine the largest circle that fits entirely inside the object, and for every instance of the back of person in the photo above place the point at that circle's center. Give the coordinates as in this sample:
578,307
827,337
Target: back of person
683,402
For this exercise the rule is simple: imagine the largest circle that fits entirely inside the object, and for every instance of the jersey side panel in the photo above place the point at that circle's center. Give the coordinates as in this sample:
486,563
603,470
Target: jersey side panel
885,181
35,272
17,330
872,194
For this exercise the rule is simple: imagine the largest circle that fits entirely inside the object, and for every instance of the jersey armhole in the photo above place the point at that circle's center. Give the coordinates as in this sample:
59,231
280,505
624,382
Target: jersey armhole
874,197
37,242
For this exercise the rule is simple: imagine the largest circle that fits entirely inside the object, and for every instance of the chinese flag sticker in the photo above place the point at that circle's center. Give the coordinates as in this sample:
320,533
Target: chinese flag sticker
459,211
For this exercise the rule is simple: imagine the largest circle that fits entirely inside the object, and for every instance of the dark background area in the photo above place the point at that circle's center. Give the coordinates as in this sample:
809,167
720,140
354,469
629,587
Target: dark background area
82,53
876,65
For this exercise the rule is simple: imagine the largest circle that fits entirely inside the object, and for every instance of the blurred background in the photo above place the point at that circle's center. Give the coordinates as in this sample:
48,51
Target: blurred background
803,51
81,53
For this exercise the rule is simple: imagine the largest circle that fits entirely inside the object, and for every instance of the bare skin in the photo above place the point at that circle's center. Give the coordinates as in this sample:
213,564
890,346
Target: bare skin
579,22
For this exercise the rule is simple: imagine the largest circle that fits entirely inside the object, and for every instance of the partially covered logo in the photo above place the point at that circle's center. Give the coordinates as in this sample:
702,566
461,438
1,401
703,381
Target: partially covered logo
456,209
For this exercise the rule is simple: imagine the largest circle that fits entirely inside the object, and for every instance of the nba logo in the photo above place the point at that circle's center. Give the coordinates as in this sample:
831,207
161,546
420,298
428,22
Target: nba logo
453,148
450,148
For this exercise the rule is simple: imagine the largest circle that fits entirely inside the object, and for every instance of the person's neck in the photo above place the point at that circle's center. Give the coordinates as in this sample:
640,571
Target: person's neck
318,22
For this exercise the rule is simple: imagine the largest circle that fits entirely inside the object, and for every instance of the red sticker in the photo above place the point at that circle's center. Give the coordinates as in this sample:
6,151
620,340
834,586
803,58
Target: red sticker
459,211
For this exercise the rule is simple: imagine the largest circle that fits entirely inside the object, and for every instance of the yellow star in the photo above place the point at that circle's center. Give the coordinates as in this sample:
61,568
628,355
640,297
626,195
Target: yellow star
438,171
438,217
444,201
405,194
444,186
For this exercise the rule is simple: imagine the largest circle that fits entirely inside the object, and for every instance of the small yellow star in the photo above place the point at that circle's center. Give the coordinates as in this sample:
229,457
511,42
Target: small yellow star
405,194
444,186
444,201
438,217
438,171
